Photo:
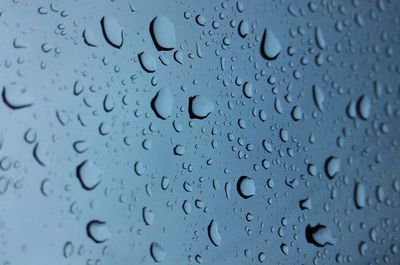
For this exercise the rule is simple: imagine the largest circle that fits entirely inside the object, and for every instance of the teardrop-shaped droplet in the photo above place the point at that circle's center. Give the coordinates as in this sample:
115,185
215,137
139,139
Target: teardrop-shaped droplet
148,61
157,252
243,28
270,45
163,33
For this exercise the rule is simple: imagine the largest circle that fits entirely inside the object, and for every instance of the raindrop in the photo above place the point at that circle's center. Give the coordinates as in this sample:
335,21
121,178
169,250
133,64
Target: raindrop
270,45
200,107
163,33
98,231
162,103
157,252
246,187
112,31
89,175
213,233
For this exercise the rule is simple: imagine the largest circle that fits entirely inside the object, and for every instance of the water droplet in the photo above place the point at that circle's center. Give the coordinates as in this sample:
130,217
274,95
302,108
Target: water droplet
163,103
332,166
243,28
360,196
200,107
319,235
112,31
89,38
98,231
16,99
213,233
163,33
68,249
320,39
246,187
270,45
248,90
148,61
89,174
319,97
364,107
157,252
148,216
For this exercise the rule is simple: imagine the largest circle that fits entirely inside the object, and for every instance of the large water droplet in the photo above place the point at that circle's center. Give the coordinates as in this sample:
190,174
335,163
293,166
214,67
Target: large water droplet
157,252
163,103
148,61
320,235
270,45
200,107
15,99
112,31
163,33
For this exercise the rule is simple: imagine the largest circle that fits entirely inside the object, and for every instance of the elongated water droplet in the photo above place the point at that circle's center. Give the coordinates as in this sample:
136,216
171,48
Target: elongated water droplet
270,45
89,175
112,31
213,233
148,61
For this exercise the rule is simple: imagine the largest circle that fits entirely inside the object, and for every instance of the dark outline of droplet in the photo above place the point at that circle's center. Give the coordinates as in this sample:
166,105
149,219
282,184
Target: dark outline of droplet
238,187
11,106
142,65
88,233
358,207
264,55
36,156
106,37
301,202
76,149
104,104
358,110
153,37
240,23
86,42
209,233
326,167
191,114
309,235
153,106
78,175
